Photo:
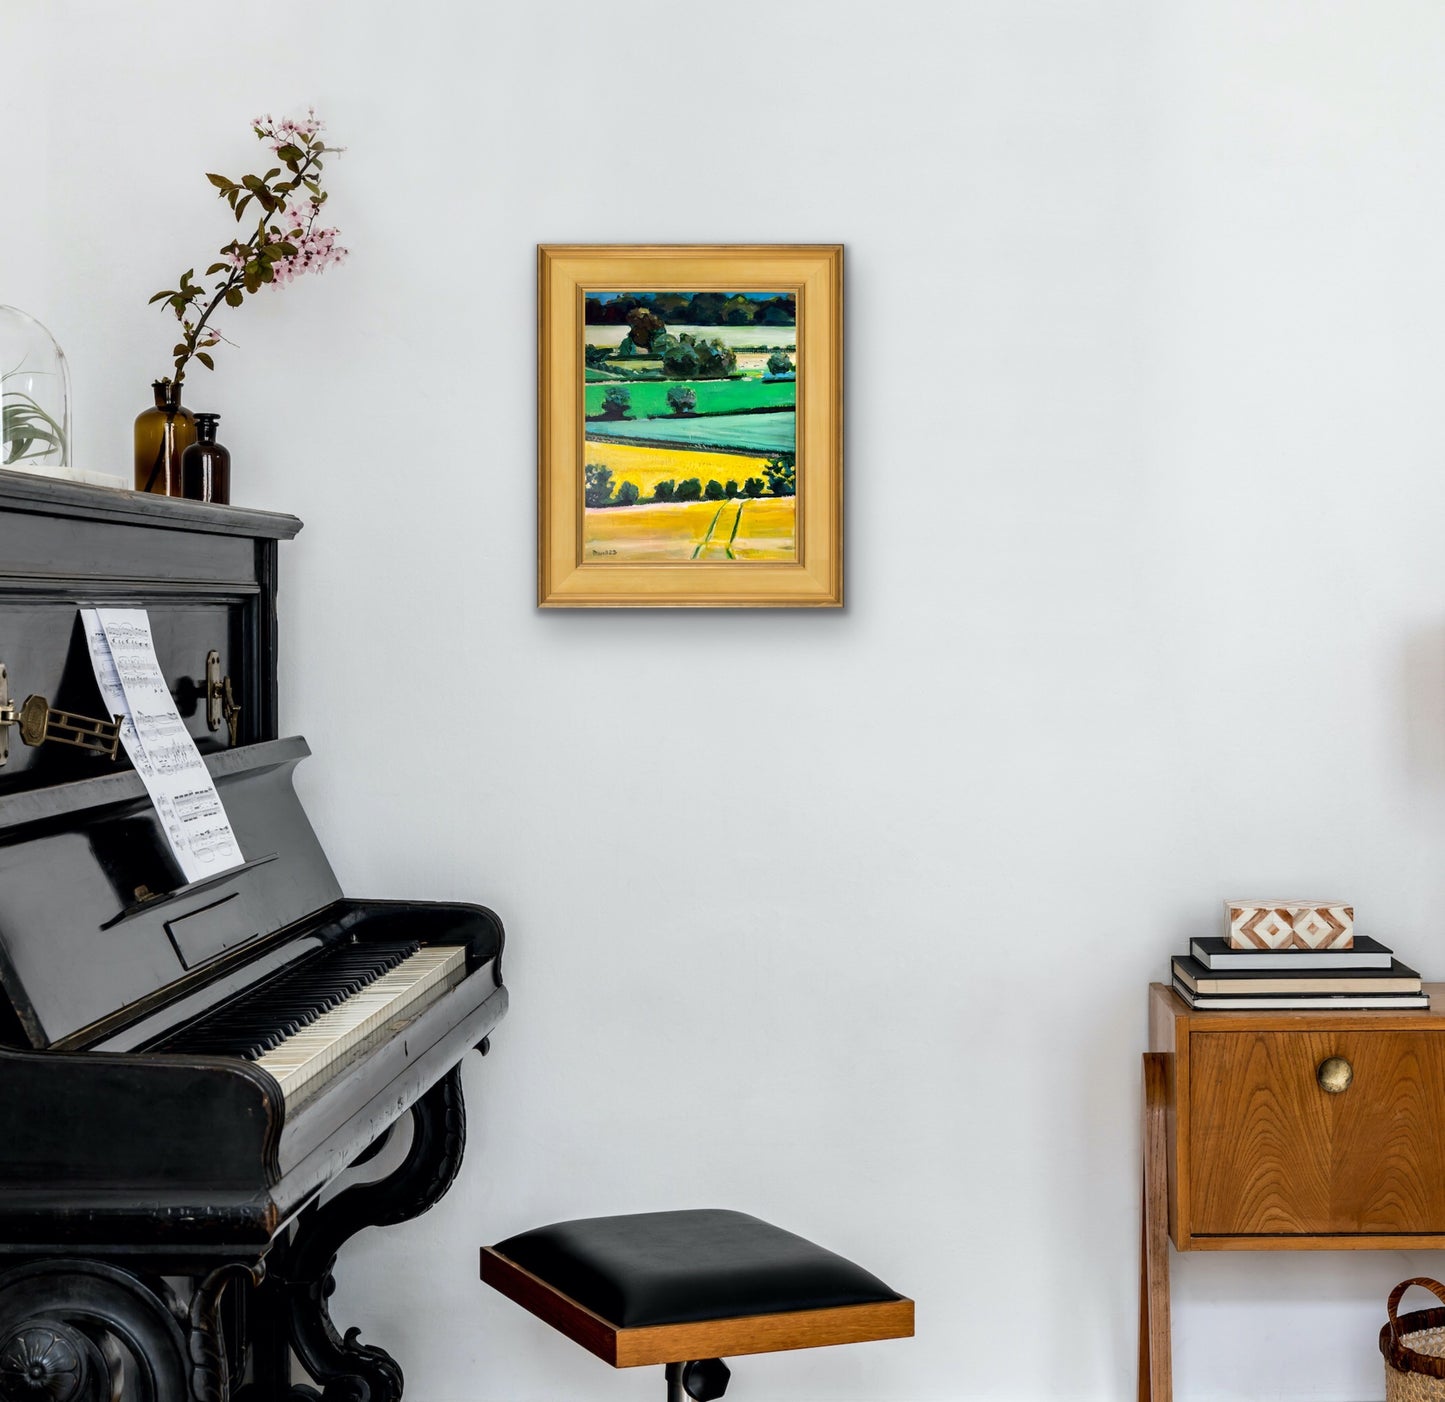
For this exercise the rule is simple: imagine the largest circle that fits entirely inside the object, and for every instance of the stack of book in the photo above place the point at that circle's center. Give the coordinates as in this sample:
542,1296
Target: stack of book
1367,975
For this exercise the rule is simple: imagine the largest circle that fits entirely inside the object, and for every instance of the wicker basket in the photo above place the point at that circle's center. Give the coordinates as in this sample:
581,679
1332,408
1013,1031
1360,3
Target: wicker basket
1414,1348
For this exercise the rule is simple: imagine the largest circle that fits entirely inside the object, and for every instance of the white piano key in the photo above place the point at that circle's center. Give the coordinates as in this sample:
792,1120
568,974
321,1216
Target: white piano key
302,1057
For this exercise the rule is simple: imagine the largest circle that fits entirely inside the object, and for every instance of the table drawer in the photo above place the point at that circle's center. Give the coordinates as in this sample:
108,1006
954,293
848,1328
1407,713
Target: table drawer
1272,1153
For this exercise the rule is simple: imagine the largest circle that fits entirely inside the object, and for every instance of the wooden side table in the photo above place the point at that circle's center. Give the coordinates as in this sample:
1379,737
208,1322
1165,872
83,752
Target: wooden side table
1285,1131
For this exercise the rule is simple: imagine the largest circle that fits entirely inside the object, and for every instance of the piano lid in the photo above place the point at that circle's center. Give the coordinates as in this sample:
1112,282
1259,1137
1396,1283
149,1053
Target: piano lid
95,919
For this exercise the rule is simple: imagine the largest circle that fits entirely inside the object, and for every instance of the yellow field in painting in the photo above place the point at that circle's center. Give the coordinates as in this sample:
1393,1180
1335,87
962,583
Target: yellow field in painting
765,522
753,529
645,467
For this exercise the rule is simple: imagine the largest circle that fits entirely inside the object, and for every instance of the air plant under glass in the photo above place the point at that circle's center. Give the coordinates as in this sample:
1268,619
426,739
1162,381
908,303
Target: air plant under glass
34,395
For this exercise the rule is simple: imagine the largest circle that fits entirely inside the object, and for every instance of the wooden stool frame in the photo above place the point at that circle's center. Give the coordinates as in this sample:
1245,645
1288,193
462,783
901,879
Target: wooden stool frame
709,1338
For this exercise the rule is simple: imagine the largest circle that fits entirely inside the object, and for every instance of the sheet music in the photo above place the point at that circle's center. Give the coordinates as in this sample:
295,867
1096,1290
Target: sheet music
123,656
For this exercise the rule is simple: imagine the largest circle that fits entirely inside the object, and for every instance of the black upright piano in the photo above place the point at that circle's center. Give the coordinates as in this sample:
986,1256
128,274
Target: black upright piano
186,1067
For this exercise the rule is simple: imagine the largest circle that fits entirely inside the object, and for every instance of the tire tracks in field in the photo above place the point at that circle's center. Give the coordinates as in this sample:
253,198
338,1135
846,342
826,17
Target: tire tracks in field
710,548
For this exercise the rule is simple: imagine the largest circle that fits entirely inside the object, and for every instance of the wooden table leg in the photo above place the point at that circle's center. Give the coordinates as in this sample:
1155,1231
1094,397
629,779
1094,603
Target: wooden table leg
1155,1371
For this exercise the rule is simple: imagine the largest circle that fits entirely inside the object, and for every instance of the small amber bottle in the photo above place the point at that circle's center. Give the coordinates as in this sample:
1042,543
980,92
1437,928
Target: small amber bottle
206,465
162,434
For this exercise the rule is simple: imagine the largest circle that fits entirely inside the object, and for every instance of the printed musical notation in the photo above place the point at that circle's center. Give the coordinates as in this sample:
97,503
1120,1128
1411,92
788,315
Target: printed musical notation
122,654
170,756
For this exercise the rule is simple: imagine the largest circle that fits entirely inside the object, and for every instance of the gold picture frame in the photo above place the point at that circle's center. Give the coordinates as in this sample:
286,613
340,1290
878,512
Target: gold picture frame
691,376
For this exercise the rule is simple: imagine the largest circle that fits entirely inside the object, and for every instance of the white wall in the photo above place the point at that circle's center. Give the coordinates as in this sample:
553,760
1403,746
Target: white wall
842,919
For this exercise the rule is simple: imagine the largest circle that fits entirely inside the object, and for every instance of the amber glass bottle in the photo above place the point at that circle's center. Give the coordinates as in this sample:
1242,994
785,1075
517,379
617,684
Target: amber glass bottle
206,465
162,434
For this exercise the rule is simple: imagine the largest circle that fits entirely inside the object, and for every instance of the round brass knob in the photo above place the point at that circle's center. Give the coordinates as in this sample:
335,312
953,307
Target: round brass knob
1335,1075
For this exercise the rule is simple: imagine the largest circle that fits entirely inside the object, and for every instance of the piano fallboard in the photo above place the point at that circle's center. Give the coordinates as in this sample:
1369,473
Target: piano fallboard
202,1155
97,925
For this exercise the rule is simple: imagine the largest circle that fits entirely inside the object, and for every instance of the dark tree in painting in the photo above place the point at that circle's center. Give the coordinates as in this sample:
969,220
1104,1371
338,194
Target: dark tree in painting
612,312
666,490
782,476
670,306
690,490
598,491
738,311
754,487
779,364
681,400
645,325
616,401
695,358
781,311
707,308
714,490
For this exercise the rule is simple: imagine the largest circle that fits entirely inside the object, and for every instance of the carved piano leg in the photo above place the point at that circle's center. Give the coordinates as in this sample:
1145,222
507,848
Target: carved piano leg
87,1331
210,1372
350,1371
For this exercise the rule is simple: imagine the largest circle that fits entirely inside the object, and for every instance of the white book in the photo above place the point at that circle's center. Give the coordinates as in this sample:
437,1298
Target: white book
1319,1002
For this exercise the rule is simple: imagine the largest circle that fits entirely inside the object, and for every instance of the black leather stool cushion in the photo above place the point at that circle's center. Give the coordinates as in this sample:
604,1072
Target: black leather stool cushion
681,1267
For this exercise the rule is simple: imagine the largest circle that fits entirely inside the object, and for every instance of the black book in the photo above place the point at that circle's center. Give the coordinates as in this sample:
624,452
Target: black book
1398,978
1215,953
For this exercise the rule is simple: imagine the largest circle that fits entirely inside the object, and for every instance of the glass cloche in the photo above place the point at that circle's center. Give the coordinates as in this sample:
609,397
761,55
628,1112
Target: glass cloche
35,385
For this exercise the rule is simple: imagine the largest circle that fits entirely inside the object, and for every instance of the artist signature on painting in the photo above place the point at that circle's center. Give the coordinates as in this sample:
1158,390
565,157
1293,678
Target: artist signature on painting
596,551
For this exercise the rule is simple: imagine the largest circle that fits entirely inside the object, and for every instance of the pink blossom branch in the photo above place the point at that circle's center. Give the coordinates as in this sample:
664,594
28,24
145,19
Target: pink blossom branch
285,244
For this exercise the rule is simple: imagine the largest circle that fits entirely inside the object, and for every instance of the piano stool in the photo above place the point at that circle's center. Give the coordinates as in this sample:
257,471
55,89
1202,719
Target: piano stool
683,1288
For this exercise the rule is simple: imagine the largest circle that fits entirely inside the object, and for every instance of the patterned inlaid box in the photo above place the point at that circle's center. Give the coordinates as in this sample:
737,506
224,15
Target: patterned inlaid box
1289,924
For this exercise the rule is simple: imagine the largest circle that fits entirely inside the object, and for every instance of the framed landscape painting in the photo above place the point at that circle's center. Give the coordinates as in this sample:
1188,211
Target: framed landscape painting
690,414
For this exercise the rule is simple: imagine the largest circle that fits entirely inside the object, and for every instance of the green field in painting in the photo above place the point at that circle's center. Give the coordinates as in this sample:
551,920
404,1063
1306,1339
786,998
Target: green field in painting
757,433
713,396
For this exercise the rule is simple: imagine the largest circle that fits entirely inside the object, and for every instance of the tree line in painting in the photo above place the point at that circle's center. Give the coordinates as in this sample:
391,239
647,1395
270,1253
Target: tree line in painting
683,357
780,472
695,309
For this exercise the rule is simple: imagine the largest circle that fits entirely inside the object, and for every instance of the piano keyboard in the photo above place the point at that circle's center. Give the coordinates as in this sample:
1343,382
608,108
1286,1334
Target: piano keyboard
303,1056
306,1020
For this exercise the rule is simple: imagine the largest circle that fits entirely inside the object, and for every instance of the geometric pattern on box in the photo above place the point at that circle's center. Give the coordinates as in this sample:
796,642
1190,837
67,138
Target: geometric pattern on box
1290,925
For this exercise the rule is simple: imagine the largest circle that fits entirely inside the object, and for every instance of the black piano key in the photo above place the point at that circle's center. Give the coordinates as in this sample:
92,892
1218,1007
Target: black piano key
265,1016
